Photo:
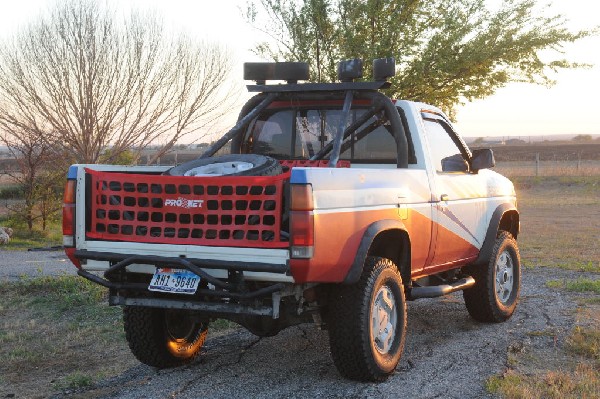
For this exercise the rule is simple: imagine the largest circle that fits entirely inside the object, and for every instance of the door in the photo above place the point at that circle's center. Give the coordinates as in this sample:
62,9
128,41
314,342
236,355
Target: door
458,197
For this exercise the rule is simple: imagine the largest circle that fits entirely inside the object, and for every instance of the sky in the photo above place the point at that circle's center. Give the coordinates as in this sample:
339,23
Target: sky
569,107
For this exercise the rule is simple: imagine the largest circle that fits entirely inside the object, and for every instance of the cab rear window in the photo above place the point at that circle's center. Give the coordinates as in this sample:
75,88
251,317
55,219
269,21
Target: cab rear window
302,133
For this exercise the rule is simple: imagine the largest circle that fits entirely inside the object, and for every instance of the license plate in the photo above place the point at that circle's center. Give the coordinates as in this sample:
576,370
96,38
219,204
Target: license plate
175,281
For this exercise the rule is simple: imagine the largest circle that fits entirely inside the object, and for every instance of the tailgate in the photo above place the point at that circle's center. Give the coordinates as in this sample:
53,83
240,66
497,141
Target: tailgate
237,211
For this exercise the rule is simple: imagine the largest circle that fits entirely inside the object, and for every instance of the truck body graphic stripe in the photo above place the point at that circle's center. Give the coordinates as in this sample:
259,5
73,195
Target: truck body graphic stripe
331,261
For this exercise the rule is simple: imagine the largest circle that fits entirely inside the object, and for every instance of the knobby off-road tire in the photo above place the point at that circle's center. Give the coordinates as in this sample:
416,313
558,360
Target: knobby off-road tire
495,294
163,338
367,322
258,165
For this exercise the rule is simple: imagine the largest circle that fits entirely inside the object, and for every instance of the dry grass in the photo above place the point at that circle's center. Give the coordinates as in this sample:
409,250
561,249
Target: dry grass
548,168
585,342
560,225
582,383
560,222
57,333
578,376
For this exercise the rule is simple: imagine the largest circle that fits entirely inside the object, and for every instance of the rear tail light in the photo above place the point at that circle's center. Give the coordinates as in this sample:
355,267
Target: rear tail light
302,224
68,222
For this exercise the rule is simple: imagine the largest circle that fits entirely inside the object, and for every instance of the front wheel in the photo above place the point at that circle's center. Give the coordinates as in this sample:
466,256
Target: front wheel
495,294
163,337
367,322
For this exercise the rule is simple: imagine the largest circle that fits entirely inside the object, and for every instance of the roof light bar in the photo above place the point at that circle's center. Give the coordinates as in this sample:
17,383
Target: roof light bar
291,72
349,70
384,68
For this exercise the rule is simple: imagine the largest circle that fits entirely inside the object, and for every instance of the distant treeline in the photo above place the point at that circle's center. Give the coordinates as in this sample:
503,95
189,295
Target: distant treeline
503,153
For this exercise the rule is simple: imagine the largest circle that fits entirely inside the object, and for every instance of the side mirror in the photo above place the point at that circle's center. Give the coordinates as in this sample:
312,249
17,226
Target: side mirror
454,163
482,158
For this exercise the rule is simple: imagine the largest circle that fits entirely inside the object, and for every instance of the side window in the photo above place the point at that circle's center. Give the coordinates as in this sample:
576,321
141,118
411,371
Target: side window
445,155
377,145
316,128
273,135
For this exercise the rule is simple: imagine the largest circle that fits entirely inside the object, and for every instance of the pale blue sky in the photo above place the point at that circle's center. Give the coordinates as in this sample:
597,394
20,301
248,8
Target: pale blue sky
569,107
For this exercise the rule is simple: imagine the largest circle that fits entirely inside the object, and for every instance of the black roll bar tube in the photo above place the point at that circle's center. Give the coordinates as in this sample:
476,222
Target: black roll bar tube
395,123
397,128
239,126
339,136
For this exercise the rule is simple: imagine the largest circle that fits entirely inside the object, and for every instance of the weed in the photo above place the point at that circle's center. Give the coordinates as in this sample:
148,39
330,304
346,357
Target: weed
579,285
499,384
585,342
22,354
75,380
583,382
222,324
60,293
589,301
589,266
555,284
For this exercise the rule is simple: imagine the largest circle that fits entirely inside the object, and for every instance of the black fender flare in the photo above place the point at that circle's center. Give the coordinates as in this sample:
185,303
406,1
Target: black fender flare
492,232
369,235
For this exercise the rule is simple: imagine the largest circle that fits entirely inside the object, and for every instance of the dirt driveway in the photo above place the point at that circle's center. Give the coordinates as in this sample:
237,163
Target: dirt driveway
16,264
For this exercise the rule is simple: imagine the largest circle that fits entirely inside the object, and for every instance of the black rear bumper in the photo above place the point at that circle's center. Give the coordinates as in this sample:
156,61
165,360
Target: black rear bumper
224,297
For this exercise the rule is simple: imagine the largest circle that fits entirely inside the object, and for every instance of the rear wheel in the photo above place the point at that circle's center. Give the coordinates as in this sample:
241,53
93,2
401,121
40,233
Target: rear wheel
163,337
367,322
495,294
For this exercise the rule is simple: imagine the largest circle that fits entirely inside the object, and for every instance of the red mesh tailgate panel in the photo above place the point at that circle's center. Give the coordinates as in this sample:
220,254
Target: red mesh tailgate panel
237,211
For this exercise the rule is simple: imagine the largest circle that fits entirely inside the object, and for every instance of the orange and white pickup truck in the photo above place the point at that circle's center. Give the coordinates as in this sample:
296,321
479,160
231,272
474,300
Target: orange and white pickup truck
336,205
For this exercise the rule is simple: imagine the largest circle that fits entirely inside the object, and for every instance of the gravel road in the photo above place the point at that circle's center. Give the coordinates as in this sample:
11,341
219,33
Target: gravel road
15,264
447,355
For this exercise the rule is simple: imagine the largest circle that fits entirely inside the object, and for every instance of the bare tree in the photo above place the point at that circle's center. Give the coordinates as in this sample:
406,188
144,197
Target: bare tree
86,79
38,174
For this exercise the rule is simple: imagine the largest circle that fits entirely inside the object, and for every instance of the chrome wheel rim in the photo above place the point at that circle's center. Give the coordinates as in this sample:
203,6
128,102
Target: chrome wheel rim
504,277
219,169
384,319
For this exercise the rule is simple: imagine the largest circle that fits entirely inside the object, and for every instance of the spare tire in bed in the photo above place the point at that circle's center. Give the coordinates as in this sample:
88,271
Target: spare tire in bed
228,165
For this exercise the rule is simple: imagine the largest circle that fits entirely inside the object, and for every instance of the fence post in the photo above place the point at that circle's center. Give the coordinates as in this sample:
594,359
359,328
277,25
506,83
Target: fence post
537,164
